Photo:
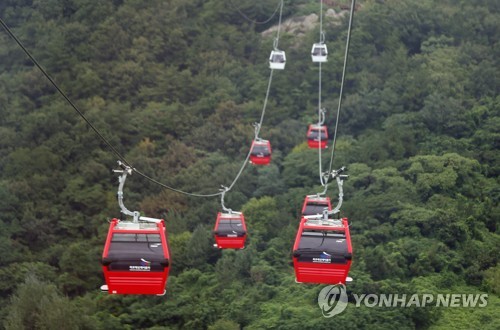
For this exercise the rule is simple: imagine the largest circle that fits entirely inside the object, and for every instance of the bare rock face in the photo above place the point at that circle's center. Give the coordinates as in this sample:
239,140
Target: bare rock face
330,13
298,26
295,25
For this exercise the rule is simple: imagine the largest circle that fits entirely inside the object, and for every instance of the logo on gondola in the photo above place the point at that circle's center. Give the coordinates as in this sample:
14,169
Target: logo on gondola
332,300
145,266
323,258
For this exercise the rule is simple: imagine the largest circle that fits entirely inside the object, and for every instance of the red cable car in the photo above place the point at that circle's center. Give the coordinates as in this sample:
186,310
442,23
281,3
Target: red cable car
136,258
230,231
261,152
314,204
313,136
322,251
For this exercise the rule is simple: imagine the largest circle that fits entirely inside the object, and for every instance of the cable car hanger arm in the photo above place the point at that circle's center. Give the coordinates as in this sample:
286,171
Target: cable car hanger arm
340,182
127,170
223,190
339,177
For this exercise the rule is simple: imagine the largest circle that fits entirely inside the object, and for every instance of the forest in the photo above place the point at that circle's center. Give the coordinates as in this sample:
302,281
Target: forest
175,86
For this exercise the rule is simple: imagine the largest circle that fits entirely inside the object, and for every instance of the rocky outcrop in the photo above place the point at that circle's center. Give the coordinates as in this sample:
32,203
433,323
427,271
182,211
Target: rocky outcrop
298,26
295,25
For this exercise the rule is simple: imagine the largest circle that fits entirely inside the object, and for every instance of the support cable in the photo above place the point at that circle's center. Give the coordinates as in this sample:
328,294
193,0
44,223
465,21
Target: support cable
346,57
321,112
279,25
259,125
96,131
257,130
113,149
254,21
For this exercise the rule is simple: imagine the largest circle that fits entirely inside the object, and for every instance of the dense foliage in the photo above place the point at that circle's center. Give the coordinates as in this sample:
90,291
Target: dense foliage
175,86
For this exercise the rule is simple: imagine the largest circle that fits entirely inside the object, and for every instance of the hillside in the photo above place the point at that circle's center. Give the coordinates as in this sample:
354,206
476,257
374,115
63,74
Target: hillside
176,85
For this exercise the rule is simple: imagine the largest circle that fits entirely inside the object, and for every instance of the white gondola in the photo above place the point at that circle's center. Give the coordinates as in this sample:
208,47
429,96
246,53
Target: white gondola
319,53
277,60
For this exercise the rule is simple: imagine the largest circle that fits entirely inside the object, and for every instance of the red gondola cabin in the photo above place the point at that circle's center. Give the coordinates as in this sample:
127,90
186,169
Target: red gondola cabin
315,133
261,152
314,204
136,258
322,251
230,231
